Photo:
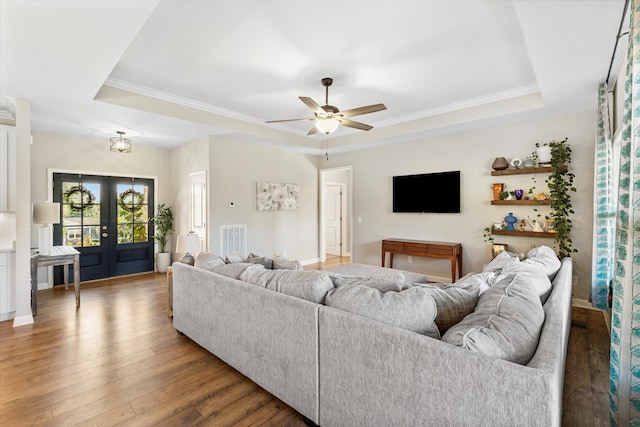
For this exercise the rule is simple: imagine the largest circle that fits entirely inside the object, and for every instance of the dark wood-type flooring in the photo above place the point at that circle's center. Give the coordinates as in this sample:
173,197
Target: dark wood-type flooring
118,361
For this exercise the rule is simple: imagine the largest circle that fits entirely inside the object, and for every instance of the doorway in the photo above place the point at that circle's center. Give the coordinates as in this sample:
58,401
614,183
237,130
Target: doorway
106,218
335,213
336,238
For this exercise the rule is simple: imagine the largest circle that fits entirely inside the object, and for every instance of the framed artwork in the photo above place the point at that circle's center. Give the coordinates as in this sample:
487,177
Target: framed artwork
496,248
273,196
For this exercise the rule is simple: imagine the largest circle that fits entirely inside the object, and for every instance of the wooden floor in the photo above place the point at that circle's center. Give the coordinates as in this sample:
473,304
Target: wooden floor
118,361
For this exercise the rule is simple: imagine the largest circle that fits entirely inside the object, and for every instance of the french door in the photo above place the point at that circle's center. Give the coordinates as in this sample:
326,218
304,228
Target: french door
107,220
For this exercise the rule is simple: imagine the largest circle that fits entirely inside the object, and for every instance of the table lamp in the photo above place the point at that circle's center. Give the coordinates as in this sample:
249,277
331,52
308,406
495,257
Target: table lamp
188,244
45,214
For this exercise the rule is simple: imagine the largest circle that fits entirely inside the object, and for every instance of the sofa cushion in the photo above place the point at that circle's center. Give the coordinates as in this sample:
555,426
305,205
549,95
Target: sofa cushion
538,269
544,258
356,269
381,283
454,301
257,259
412,309
208,261
282,263
506,322
309,285
233,270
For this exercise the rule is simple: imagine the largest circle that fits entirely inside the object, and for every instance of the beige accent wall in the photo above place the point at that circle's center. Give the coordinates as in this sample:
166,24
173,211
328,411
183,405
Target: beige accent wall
234,167
472,153
72,153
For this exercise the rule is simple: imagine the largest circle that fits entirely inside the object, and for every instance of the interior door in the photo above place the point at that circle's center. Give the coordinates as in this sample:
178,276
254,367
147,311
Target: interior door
333,219
107,220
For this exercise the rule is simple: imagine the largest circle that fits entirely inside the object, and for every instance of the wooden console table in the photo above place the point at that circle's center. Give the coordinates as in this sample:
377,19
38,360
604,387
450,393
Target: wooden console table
444,250
60,255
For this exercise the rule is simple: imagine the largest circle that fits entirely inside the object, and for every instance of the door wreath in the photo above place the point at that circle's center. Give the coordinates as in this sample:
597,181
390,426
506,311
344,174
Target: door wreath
129,196
79,197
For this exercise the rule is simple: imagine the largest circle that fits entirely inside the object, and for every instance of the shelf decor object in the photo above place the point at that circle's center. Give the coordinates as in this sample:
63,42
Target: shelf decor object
46,214
500,163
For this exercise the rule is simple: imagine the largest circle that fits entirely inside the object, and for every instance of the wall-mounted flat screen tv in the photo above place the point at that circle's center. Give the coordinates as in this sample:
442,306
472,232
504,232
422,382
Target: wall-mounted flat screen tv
429,192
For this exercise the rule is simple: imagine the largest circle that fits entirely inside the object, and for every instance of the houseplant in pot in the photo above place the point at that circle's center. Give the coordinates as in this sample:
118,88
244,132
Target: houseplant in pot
163,222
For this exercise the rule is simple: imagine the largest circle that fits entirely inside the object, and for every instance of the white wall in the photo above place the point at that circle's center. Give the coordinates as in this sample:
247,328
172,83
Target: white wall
472,153
235,168
186,159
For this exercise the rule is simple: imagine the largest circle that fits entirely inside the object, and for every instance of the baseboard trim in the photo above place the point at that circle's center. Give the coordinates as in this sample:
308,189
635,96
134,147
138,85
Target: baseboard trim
22,320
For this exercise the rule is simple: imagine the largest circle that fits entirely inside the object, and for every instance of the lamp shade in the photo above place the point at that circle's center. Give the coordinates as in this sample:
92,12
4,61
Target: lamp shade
188,243
46,213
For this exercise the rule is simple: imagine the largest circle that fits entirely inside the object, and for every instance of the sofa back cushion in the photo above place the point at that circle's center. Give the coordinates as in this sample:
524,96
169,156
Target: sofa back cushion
232,270
541,266
208,261
506,322
308,285
454,301
282,263
382,283
412,309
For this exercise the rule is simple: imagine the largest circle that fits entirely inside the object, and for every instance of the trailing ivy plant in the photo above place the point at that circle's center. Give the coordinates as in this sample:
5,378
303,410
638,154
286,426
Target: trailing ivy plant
560,183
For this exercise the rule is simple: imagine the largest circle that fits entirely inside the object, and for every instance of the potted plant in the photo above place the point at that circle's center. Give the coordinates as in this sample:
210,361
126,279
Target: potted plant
560,183
163,222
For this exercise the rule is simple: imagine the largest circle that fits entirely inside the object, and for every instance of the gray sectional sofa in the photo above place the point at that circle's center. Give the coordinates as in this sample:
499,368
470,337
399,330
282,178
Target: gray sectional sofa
337,368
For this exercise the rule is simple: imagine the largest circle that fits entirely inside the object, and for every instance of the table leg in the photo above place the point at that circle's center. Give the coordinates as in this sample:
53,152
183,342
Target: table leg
460,263
390,259
66,276
76,277
453,268
34,287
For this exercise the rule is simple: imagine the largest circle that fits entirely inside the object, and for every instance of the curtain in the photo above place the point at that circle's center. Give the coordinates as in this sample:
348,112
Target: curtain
603,209
625,321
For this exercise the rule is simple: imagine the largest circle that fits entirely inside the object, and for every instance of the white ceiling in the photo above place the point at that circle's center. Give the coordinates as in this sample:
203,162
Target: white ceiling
168,72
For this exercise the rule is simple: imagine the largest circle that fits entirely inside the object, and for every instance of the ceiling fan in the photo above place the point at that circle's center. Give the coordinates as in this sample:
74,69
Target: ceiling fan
328,118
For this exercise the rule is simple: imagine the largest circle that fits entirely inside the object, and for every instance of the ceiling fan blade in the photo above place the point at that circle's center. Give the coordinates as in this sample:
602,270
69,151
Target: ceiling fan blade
313,130
290,120
355,125
312,104
363,110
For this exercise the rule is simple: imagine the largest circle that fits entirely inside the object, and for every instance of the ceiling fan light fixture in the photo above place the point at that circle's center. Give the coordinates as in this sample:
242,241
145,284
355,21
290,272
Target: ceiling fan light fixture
328,125
119,144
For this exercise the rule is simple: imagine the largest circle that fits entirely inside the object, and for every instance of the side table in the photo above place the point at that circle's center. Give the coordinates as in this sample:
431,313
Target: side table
170,292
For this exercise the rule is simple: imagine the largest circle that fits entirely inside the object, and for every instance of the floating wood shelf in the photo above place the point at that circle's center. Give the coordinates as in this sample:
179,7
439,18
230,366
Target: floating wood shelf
524,171
516,233
521,202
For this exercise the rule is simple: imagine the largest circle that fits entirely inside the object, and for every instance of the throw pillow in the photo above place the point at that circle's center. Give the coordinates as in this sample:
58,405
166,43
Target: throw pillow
282,263
208,261
505,324
234,257
412,309
257,259
381,283
309,285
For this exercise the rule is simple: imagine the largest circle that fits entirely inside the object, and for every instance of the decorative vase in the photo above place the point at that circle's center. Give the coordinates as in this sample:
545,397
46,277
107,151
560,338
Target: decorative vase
519,194
500,164
497,189
529,163
544,154
163,260
510,220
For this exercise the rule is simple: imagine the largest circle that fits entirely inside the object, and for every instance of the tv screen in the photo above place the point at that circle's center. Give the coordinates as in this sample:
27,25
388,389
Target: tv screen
430,192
